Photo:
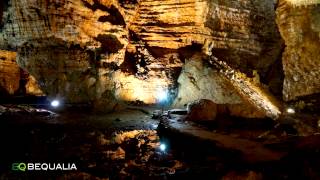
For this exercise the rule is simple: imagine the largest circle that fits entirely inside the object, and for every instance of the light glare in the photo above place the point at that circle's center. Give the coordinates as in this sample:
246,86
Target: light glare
55,103
163,147
291,111
162,96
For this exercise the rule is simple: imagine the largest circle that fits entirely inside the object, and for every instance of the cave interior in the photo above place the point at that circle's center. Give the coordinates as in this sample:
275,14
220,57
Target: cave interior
163,89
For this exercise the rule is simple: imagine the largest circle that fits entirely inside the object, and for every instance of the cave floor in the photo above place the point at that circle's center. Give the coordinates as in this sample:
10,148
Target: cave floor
126,145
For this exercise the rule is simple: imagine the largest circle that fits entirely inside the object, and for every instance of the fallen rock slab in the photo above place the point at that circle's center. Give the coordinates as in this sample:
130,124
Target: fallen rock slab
247,150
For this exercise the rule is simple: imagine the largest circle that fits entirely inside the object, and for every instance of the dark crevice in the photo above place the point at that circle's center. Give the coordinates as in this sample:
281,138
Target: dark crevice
133,36
159,52
275,76
104,18
188,51
129,64
4,4
115,16
111,65
167,25
109,43
125,2
184,52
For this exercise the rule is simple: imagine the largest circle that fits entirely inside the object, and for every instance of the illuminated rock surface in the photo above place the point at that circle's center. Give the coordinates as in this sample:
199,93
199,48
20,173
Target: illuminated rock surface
107,51
9,73
299,25
32,87
101,53
200,82
13,80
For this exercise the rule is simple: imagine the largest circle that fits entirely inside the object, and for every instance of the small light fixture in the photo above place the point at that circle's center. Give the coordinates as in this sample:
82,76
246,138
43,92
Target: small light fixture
291,111
163,147
55,103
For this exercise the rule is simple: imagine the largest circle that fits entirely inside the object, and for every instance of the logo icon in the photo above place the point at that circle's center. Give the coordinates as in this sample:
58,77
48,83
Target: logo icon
19,167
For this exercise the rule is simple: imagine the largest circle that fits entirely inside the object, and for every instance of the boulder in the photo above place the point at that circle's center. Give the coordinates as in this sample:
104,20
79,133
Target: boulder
202,110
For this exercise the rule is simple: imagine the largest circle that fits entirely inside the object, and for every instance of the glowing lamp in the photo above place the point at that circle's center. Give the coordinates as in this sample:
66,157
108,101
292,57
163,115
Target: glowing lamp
291,111
55,103
163,147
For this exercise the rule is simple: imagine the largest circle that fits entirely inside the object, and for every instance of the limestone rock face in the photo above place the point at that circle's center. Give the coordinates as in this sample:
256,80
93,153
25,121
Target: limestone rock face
32,87
13,80
60,71
202,110
198,81
299,25
9,73
244,33
105,51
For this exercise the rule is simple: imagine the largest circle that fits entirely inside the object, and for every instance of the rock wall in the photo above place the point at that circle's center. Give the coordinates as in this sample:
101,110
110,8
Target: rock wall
299,25
9,73
14,80
32,87
109,51
244,34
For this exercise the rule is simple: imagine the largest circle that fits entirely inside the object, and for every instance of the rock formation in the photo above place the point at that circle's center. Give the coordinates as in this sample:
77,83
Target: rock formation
9,73
13,80
299,25
104,51
198,81
202,110
32,87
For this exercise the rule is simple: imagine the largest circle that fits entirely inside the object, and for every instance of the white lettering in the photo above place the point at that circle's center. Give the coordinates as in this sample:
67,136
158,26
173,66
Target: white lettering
53,167
30,166
64,168
73,166
58,167
44,166
37,166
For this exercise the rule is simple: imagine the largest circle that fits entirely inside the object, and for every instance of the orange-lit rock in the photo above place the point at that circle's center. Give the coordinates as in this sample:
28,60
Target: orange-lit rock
105,51
13,80
299,25
32,87
9,72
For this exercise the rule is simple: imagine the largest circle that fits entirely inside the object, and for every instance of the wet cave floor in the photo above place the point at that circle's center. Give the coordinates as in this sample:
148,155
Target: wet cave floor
129,145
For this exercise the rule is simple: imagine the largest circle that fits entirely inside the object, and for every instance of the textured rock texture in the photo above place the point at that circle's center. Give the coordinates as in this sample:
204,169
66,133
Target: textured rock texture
202,110
9,73
299,25
13,80
299,3
244,33
105,51
198,81
32,87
